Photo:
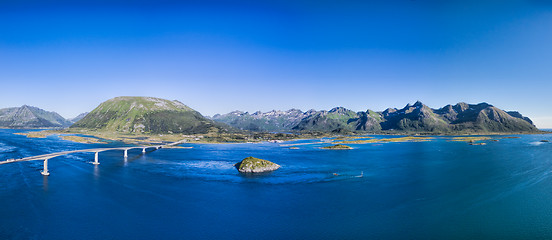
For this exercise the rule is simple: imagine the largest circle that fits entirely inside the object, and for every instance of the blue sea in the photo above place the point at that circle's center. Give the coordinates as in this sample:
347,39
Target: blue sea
418,190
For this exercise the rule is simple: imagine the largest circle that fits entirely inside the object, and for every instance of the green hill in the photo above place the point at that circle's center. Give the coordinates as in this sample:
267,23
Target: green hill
145,115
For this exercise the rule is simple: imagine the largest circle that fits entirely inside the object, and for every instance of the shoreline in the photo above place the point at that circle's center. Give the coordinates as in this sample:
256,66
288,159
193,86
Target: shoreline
93,137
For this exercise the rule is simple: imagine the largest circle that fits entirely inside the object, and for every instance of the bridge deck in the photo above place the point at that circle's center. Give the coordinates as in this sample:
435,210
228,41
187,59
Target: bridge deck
94,150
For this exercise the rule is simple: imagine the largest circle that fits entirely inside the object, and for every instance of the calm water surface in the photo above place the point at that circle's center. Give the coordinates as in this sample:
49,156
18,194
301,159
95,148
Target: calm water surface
425,190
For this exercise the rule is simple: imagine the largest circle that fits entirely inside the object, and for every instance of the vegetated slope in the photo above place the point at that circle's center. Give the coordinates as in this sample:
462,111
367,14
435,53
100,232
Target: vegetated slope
31,117
145,115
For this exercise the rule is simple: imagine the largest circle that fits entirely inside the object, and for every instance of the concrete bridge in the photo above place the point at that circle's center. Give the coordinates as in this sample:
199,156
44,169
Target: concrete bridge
96,151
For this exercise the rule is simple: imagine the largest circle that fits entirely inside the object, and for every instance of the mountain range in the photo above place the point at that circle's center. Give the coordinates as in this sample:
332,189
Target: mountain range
273,121
461,118
160,116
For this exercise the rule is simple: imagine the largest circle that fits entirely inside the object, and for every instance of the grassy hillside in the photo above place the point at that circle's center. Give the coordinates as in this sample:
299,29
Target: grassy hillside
145,115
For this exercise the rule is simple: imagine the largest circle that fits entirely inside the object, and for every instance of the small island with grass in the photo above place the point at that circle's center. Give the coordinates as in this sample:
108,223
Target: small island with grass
338,147
255,165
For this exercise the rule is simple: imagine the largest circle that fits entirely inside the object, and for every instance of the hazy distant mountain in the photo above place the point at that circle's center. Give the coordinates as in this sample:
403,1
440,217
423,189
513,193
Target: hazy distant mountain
273,121
30,117
78,117
462,117
145,115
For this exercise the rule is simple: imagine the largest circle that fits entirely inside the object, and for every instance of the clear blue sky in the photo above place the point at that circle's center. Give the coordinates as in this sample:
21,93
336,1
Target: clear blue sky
217,56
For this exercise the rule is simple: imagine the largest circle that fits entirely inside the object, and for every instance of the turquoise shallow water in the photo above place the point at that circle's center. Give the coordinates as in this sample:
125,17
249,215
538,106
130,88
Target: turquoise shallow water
425,190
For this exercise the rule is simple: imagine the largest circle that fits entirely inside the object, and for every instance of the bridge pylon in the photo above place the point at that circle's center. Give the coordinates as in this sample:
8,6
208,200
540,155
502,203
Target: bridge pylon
45,171
96,159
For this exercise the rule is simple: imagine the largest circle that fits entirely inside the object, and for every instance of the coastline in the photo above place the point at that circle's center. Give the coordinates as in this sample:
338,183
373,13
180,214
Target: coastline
95,137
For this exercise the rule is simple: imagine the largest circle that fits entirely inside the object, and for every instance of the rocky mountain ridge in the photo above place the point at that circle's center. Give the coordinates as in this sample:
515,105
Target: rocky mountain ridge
458,118
273,121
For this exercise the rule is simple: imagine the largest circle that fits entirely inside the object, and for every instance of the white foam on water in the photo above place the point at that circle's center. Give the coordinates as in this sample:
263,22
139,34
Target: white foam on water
5,148
209,165
221,165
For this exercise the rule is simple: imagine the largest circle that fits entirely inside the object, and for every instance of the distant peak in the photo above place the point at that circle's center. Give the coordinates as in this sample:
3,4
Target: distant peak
30,108
338,110
294,110
484,104
236,112
462,104
418,104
